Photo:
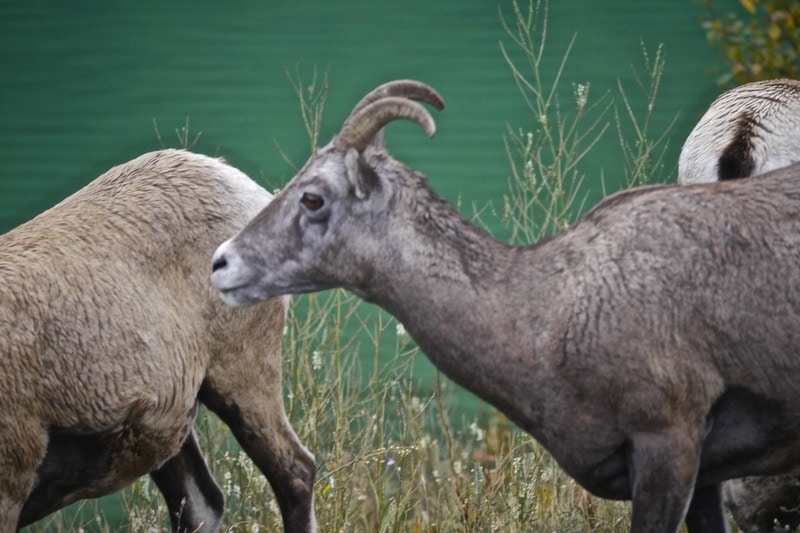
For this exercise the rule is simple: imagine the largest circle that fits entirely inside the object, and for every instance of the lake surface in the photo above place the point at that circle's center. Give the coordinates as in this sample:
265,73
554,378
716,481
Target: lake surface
87,85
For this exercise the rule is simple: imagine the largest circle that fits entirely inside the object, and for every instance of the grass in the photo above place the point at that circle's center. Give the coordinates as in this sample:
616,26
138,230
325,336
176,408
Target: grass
389,458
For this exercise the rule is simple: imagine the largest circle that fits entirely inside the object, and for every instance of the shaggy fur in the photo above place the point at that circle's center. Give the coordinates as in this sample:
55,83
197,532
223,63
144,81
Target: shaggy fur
110,336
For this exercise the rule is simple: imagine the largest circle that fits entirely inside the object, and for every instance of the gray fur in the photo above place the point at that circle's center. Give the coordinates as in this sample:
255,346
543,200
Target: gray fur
750,129
110,336
632,346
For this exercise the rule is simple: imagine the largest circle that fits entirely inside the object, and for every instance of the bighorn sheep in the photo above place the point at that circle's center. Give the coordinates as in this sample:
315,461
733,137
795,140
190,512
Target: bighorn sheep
746,131
111,334
631,346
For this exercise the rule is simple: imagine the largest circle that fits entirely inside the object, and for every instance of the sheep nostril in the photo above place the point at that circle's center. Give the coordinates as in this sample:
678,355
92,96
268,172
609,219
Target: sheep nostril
219,263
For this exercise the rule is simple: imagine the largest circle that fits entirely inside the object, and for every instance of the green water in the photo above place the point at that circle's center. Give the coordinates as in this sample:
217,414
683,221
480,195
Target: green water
84,85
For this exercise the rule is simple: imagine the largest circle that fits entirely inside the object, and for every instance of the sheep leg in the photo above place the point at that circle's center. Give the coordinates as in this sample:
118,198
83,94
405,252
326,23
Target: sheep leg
706,514
10,509
664,467
194,499
267,437
70,466
25,444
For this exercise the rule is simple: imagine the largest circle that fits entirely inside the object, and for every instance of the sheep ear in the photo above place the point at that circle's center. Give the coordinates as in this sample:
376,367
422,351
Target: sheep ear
361,176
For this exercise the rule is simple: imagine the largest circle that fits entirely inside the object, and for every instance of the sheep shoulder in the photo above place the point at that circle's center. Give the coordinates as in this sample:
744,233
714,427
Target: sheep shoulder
104,272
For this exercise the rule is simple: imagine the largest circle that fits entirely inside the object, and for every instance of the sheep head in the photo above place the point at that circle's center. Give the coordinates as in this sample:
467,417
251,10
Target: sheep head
305,240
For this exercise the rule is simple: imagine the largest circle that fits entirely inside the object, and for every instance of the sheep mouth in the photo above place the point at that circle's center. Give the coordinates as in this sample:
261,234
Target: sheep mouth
237,296
247,294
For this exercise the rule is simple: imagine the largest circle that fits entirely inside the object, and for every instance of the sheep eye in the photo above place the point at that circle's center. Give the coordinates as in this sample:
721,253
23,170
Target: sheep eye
313,202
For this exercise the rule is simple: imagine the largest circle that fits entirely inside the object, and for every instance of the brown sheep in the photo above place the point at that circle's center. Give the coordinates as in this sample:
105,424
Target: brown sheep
111,336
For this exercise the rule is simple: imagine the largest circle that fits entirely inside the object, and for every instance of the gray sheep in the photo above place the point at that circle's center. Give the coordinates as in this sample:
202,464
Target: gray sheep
748,130
632,346
111,336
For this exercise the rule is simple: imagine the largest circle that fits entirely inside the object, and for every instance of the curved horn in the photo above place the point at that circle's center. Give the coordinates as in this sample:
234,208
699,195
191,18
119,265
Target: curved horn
411,89
359,130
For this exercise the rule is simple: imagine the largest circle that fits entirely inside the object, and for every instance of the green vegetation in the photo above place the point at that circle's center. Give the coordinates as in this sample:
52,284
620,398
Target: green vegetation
391,459
759,41
546,188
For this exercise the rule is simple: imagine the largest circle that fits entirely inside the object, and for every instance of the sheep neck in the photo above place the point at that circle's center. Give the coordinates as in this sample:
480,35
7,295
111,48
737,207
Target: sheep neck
461,296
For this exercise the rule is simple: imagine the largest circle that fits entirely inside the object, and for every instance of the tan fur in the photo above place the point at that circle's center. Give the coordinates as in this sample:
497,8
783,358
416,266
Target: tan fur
109,325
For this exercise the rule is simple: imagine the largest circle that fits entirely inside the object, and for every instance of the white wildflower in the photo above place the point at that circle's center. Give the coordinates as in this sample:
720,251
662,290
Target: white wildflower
416,405
581,95
424,442
479,433
228,478
273,507
529,167
529,174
